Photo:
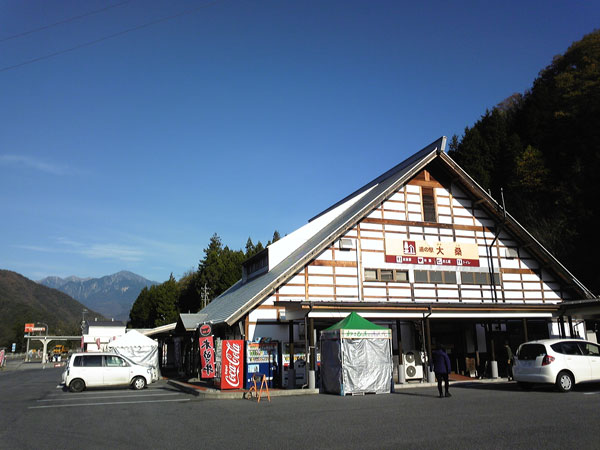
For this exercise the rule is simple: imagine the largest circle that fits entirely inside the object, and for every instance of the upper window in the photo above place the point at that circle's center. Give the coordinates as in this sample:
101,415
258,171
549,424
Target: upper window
257,264
435,276
386,275
479,278
428,204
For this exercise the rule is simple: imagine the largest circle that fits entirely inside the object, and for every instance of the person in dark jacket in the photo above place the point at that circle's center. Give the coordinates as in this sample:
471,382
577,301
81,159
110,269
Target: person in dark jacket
441,366
509,361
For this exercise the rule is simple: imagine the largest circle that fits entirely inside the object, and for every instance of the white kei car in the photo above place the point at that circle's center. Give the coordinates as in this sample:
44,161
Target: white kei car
85,370
562,362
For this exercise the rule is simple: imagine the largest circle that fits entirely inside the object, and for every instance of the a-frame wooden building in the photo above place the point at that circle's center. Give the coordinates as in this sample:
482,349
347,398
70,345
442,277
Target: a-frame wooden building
422,249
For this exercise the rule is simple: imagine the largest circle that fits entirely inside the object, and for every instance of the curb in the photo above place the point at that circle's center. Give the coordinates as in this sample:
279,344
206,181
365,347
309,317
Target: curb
216,394
208,393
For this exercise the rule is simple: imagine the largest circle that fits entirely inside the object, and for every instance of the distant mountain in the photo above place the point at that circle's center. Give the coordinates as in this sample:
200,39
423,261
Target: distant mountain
25,301
112,295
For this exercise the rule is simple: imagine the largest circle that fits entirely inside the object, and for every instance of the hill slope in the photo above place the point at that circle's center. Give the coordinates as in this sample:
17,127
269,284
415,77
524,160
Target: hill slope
25,301
111,295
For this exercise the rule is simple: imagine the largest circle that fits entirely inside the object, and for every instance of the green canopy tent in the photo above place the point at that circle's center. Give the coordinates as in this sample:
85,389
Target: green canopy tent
356,357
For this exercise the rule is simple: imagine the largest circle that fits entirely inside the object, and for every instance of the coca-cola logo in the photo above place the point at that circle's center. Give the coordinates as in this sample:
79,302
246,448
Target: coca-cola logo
205,330
232,368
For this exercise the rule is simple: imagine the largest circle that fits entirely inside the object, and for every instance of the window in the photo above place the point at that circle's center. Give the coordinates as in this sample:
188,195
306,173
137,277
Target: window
115,361
78,361
566,348
371,274
386,275
435,276
257,264
589,349
428,204
479,278
531,352
92,361
401,275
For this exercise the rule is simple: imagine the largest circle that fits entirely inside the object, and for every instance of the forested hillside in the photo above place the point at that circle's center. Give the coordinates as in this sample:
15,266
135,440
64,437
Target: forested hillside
25,301
542,147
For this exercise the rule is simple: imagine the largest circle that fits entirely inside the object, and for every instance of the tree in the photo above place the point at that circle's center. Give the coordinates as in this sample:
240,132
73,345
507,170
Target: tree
543,147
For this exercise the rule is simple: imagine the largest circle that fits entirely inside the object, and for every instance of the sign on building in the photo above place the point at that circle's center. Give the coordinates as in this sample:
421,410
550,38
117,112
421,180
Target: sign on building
431,253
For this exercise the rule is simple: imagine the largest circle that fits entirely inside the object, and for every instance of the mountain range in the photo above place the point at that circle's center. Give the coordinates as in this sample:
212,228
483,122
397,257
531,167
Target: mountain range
25,301
111,295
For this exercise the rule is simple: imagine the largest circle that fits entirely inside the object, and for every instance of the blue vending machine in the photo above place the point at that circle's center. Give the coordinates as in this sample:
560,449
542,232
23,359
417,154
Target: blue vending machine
262,358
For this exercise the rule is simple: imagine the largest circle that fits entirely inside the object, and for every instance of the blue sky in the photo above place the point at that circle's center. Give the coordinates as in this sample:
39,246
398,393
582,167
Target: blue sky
236,117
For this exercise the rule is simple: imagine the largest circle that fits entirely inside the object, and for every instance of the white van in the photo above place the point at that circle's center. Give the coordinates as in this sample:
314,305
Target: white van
104,369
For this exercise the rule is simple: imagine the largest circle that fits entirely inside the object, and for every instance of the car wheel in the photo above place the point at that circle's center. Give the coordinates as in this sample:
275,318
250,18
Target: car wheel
77,385
138,383
525,386
564,381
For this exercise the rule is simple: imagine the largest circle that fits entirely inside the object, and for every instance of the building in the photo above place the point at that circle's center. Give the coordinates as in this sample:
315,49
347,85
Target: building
422,249
97,334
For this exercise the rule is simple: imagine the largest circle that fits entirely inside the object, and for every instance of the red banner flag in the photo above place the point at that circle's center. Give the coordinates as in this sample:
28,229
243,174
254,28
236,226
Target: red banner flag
207,357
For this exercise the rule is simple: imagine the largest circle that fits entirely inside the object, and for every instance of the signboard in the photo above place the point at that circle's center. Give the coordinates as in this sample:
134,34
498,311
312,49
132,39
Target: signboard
14,347
29,327
38,329
1,357
431,253
232,356
207,357
205,329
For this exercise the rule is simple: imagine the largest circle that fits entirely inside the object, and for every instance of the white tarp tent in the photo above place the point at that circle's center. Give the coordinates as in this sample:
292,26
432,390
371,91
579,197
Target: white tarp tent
138,348
356,357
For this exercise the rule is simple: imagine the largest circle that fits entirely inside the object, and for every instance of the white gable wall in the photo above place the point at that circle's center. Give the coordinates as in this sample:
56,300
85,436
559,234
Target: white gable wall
339,275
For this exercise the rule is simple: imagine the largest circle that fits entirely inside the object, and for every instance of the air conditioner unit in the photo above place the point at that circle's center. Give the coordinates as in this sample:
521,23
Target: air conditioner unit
413,365
346,244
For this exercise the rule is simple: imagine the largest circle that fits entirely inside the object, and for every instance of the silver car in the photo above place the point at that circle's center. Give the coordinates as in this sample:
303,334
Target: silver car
562,362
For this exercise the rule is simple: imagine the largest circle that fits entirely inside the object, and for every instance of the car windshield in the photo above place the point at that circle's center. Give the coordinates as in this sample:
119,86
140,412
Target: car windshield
531,351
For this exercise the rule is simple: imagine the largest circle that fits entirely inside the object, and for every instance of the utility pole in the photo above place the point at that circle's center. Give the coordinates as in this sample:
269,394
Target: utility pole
204,291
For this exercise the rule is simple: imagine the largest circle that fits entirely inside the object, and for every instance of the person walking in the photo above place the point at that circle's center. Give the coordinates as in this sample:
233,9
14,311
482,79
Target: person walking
441,367
509,361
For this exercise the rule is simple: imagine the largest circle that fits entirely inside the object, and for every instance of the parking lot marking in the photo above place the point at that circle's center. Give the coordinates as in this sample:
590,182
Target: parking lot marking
591,393
104,396
114,392
108,403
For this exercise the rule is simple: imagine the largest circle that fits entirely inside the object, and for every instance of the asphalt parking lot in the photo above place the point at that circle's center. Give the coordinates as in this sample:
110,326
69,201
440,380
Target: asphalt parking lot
37,414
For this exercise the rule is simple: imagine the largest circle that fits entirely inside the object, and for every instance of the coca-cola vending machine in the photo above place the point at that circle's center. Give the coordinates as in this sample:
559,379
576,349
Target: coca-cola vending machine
231,370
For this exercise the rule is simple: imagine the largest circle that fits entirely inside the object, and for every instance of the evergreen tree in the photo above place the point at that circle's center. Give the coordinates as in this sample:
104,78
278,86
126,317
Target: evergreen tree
543,148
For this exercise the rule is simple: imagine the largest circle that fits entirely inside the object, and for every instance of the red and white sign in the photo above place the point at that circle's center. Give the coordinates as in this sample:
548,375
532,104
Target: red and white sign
205,329
232,356
207,357
431,253
29,327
